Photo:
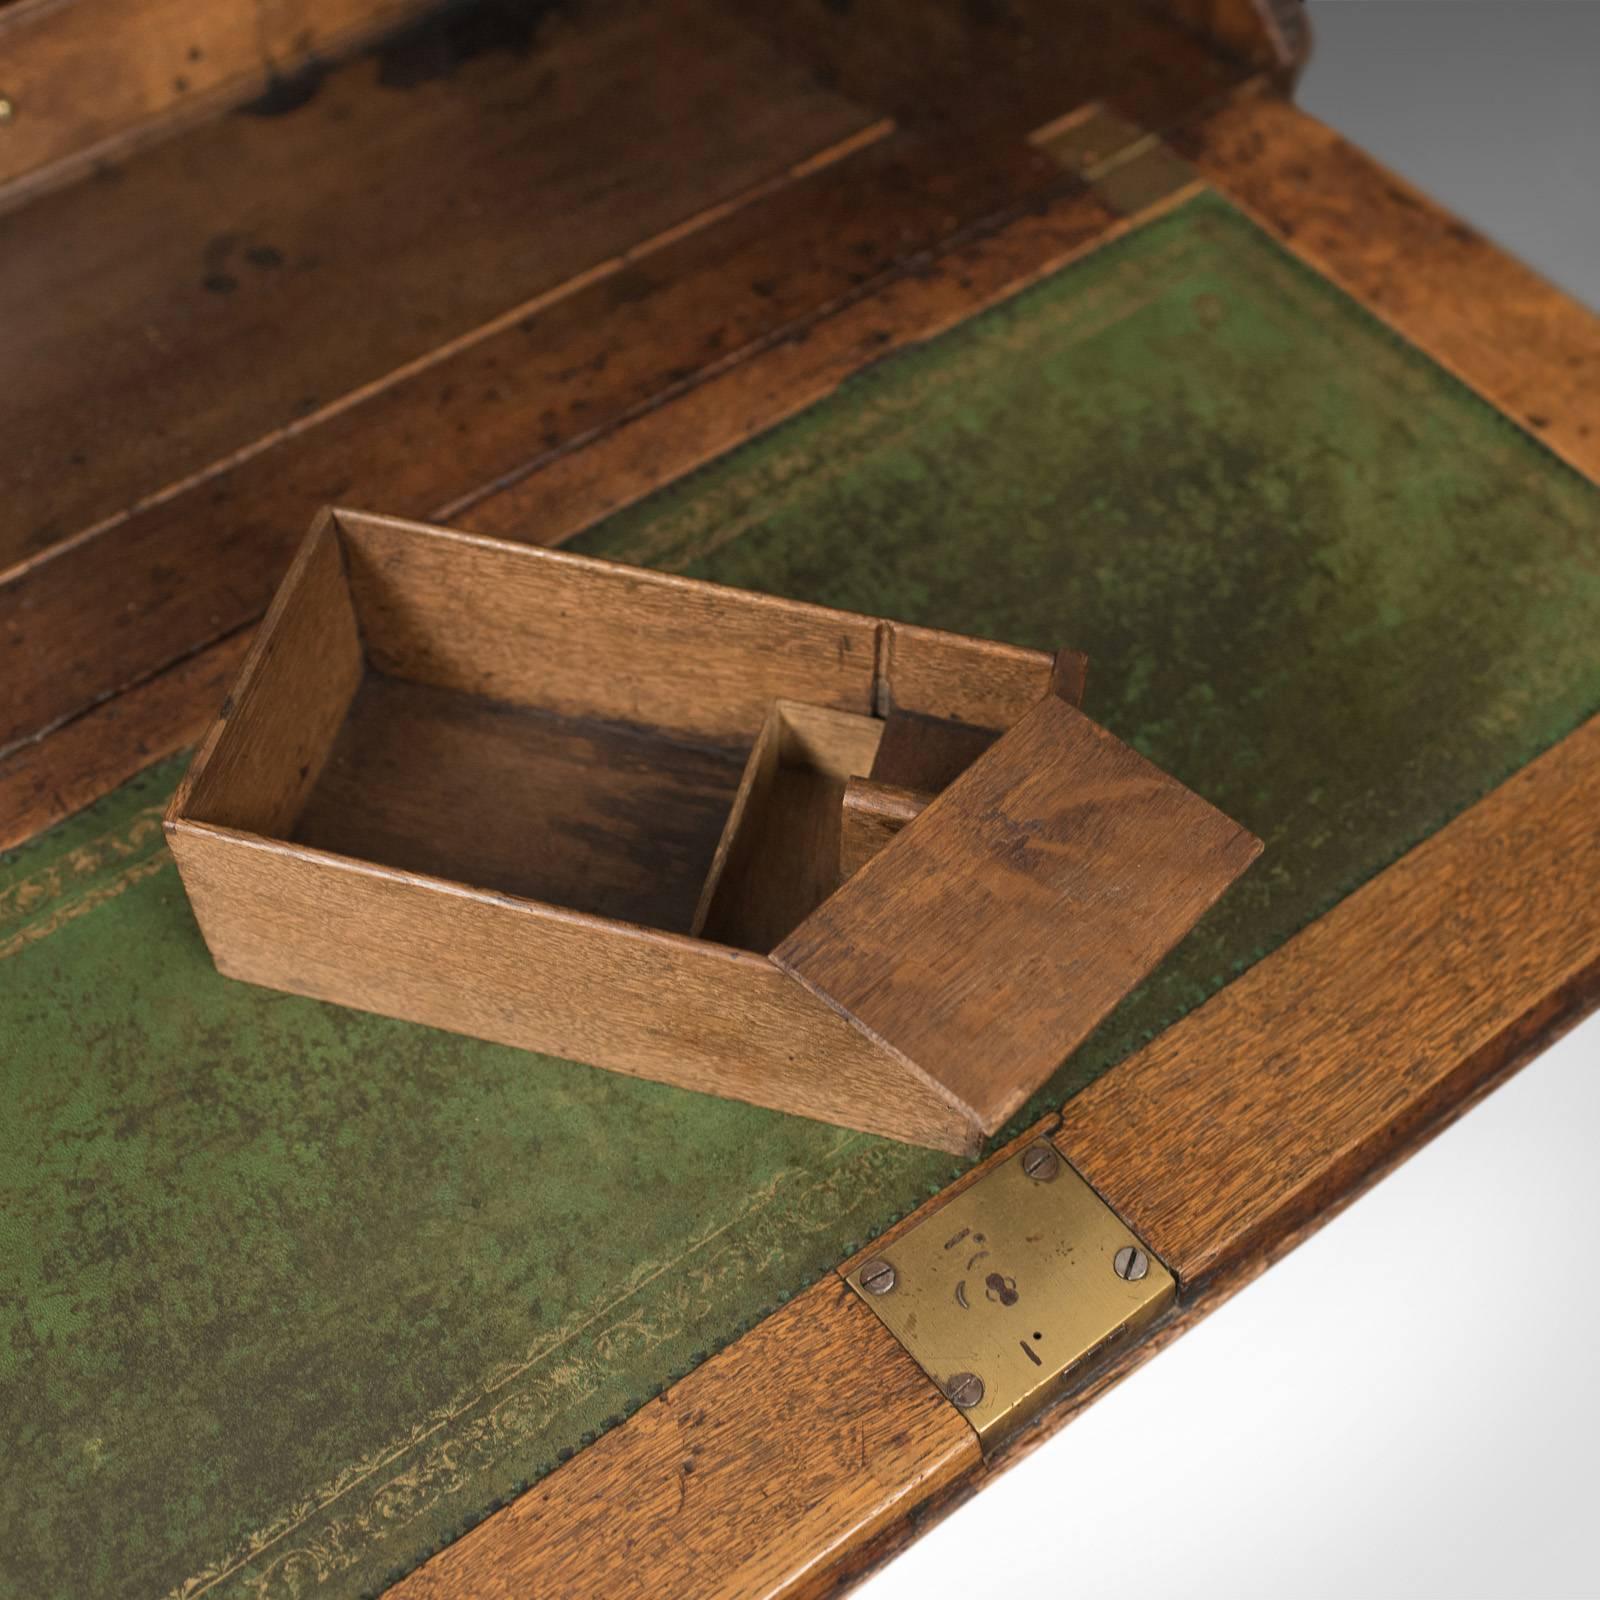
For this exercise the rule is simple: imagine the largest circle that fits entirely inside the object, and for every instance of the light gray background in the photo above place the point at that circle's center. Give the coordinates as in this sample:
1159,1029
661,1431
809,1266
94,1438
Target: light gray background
1408,1406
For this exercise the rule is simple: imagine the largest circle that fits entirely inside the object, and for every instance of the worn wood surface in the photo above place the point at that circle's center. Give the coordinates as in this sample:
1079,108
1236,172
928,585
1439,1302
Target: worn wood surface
109,607
576,811
1261,1108
1000,927
749,1477
86,78
224,284
231,452
978,71
1518,340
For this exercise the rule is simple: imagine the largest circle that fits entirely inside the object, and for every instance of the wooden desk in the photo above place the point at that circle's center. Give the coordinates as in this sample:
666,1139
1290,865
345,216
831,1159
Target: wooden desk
1305,465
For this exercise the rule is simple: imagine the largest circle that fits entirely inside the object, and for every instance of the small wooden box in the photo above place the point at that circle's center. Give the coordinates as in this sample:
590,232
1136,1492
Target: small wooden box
572,806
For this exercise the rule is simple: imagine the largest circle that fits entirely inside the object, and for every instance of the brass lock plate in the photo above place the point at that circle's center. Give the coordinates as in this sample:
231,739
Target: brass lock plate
1017,1286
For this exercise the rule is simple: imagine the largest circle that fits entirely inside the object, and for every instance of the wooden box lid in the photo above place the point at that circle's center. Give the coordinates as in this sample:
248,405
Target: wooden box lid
997,929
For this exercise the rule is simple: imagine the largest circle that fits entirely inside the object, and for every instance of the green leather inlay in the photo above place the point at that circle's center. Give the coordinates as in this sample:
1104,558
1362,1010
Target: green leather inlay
290,1295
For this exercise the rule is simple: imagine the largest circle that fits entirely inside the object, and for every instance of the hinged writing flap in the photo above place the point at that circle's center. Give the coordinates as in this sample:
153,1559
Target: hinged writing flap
996,930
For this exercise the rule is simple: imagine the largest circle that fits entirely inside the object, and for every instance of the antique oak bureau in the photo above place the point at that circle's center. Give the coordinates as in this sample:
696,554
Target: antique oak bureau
1057,325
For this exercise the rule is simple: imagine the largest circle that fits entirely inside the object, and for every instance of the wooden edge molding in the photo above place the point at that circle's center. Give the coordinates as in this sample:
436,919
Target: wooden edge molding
1224,1144
1256,1111
754,1475
1524,345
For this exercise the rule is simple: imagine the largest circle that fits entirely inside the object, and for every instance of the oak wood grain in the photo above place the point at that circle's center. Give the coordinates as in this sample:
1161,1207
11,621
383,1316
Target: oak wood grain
997,929
975,71
598,816
562,983
223,283
927,753
1258,1109
746,1478
100,613
590,638
778,855
1514,337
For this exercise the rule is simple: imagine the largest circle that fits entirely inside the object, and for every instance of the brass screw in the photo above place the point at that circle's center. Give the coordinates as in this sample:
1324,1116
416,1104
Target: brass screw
8,108
966,1389
1041,1163
878,1277
1130,1262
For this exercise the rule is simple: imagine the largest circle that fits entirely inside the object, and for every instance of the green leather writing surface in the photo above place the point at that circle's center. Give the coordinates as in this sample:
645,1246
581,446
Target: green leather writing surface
290,1295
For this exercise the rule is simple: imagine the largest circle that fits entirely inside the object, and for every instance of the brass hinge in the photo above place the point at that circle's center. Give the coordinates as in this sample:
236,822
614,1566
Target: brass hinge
1015,1289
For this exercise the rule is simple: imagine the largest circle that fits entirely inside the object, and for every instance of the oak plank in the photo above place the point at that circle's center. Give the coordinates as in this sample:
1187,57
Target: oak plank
978,70
1257,1111
578,488
927,753
545,979
281,718
996,930
748,1477
591,638
779,852
221,286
